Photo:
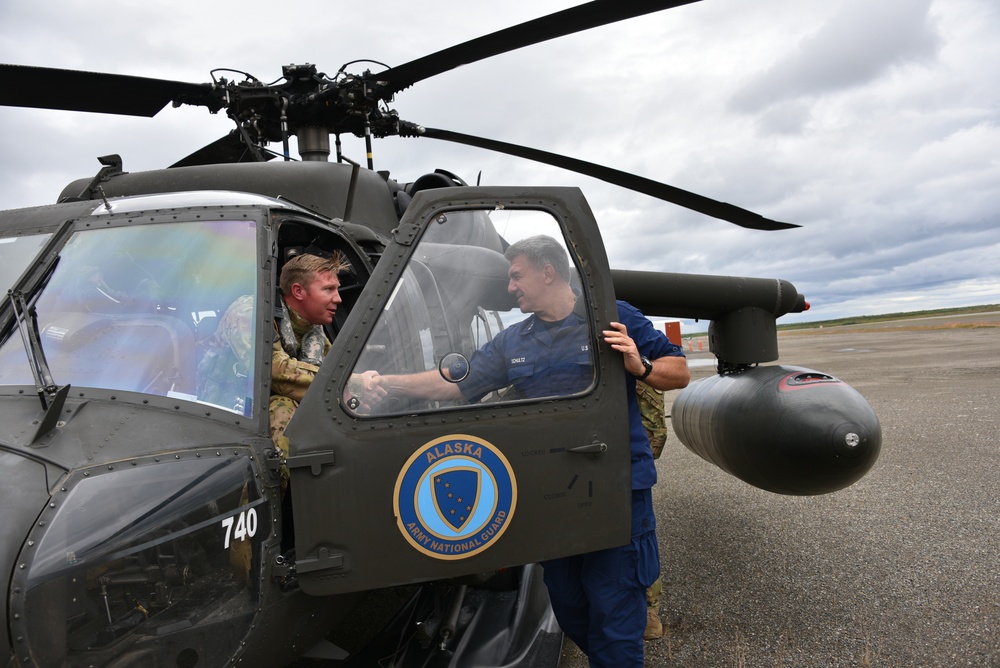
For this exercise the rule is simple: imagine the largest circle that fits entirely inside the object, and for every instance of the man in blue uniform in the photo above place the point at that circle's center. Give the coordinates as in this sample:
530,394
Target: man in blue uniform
599,598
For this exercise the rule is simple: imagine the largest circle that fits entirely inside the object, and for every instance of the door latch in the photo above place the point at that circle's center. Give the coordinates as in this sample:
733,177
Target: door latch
591,449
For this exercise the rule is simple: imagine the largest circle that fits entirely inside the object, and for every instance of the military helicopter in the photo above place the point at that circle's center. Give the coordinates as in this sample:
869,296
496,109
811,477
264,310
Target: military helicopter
145,519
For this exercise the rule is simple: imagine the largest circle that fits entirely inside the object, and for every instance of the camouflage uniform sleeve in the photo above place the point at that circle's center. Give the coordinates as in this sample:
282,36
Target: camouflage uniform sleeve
236,330
290,377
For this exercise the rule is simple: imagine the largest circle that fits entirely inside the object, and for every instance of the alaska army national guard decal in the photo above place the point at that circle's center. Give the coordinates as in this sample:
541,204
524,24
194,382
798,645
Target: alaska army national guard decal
455,496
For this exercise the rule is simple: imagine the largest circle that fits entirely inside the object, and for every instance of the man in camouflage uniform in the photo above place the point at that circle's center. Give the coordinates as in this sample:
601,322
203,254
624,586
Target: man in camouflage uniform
309,299
653,413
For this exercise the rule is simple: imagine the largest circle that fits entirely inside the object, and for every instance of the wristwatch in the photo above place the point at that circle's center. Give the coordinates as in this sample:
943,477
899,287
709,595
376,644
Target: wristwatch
649,367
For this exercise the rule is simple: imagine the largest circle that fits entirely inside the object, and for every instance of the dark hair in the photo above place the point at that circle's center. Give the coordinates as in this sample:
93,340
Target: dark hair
541,250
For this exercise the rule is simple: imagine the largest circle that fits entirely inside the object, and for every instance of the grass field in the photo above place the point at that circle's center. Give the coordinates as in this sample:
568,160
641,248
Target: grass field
889,317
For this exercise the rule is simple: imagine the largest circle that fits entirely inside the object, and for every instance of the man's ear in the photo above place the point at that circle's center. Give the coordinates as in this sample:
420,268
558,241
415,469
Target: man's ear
298,291
549,272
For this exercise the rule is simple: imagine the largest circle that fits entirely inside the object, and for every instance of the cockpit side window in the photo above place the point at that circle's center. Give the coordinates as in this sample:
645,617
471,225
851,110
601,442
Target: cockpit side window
474,321
16,254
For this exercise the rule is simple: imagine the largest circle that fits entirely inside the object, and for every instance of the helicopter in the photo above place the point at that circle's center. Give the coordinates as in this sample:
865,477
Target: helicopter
146,523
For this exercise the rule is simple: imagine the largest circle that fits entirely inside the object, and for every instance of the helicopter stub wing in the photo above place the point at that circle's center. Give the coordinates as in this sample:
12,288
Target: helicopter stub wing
98,92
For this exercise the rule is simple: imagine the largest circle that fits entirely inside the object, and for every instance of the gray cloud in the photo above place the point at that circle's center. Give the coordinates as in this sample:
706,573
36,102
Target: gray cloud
875,126
855,46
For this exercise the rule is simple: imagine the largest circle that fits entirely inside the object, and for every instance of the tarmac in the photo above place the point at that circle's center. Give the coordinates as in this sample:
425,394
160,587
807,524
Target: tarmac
900,569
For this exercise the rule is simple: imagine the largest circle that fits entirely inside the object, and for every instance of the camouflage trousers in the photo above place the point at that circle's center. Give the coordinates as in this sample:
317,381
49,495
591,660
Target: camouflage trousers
653,593
280,410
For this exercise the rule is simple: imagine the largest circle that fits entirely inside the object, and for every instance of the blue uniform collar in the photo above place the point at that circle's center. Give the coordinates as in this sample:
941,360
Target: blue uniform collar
572,319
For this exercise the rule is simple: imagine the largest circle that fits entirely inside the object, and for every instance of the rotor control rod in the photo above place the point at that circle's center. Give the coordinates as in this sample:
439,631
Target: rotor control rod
450,623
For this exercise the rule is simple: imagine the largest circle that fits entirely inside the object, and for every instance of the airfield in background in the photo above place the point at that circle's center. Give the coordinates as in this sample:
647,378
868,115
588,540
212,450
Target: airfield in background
899,569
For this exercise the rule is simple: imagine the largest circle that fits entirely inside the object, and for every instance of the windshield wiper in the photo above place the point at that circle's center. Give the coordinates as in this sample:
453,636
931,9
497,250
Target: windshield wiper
27,325
21,299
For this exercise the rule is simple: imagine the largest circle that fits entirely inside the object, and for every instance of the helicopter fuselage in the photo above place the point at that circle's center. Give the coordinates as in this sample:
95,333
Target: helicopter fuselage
146,520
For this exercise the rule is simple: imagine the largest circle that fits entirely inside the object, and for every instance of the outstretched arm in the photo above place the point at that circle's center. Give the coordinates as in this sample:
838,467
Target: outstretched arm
423,385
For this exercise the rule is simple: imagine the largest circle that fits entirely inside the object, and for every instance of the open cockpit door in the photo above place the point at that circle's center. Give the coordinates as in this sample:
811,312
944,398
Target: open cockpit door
506,440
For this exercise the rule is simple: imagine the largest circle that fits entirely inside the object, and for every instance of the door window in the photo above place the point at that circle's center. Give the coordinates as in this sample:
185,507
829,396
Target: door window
478,318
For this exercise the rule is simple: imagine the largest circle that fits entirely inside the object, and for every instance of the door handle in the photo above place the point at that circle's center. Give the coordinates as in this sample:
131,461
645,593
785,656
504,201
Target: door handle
591,449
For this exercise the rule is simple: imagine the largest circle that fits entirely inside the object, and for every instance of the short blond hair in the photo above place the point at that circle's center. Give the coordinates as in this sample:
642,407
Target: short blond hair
303,269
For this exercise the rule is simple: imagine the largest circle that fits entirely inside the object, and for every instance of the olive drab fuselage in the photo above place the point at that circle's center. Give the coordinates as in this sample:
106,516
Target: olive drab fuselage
149,491
146,521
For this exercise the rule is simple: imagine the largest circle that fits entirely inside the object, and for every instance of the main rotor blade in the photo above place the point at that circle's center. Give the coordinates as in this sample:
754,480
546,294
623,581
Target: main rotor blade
690,200
74,90
225,150
566,22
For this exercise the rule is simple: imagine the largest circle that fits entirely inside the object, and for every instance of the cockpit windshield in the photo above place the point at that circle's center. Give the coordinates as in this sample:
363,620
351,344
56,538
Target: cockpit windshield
163,309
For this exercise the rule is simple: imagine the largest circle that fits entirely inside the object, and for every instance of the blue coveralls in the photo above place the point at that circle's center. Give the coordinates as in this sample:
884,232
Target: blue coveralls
599,598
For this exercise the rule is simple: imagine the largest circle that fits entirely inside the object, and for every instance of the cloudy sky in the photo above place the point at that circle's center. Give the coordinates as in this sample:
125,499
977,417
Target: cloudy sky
873,125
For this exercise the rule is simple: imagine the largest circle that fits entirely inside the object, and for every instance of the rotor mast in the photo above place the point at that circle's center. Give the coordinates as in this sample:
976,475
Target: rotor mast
314,143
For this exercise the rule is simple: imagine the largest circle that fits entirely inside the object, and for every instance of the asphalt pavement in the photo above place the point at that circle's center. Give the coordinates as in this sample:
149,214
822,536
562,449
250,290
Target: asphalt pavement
900,569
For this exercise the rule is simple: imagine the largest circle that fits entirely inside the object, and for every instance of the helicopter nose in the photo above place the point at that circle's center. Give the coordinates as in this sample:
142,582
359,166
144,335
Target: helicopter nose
23,494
